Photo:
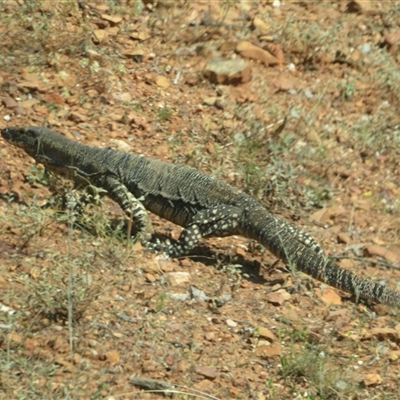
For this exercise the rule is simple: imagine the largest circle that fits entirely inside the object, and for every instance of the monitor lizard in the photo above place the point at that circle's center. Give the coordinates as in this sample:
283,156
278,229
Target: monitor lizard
202,205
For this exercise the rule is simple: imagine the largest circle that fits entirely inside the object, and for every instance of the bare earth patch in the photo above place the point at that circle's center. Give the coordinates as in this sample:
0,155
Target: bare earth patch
294,102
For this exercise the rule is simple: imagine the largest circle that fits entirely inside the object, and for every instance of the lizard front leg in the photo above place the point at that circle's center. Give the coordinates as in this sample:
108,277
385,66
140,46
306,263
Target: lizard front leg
132,206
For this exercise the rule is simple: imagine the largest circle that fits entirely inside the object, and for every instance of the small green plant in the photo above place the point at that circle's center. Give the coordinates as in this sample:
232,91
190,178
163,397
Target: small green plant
38,175
325,380
164,113
160,302
347,89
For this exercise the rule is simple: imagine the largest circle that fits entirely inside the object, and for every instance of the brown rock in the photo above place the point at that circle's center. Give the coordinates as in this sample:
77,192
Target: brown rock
364,6
382,334
112,19
150,366
177,278
113,357
260,25
342,314
32,82
292,315
209,101
3,282
162,82
66,365
313,137
122,96
77,117
275,298
18,110
9,102
284,82
376,250
228,46
136,52
266,334
30,345
249,50
101,24
51,97
208,372
240,251
343,237
285,294
142,36
119,144
318,215
328,296
99,35
269,350
29,103
227,72
393,39
372,379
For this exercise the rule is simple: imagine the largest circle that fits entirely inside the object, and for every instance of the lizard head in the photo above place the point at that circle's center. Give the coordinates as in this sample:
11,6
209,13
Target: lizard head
26,137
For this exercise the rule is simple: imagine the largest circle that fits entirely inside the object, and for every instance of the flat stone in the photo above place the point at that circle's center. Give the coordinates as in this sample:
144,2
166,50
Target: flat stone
266,334
178,278
9,102
227,72
208,372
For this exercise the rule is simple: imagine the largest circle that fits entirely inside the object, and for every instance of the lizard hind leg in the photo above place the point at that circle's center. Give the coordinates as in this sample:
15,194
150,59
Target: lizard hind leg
217,221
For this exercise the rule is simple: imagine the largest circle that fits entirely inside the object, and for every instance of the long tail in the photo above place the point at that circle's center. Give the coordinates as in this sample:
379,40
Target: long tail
299,249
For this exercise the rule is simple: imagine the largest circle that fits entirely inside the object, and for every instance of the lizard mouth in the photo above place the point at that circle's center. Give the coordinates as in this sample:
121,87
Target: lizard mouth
6,133
20,137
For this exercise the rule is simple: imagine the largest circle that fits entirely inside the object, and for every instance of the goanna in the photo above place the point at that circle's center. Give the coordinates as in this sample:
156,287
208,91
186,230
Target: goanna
202,205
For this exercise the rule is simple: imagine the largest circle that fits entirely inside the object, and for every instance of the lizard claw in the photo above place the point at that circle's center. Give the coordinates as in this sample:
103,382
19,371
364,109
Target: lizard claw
158,246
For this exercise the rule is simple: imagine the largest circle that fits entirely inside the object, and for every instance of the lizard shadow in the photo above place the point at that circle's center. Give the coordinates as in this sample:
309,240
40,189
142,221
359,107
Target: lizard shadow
251,270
